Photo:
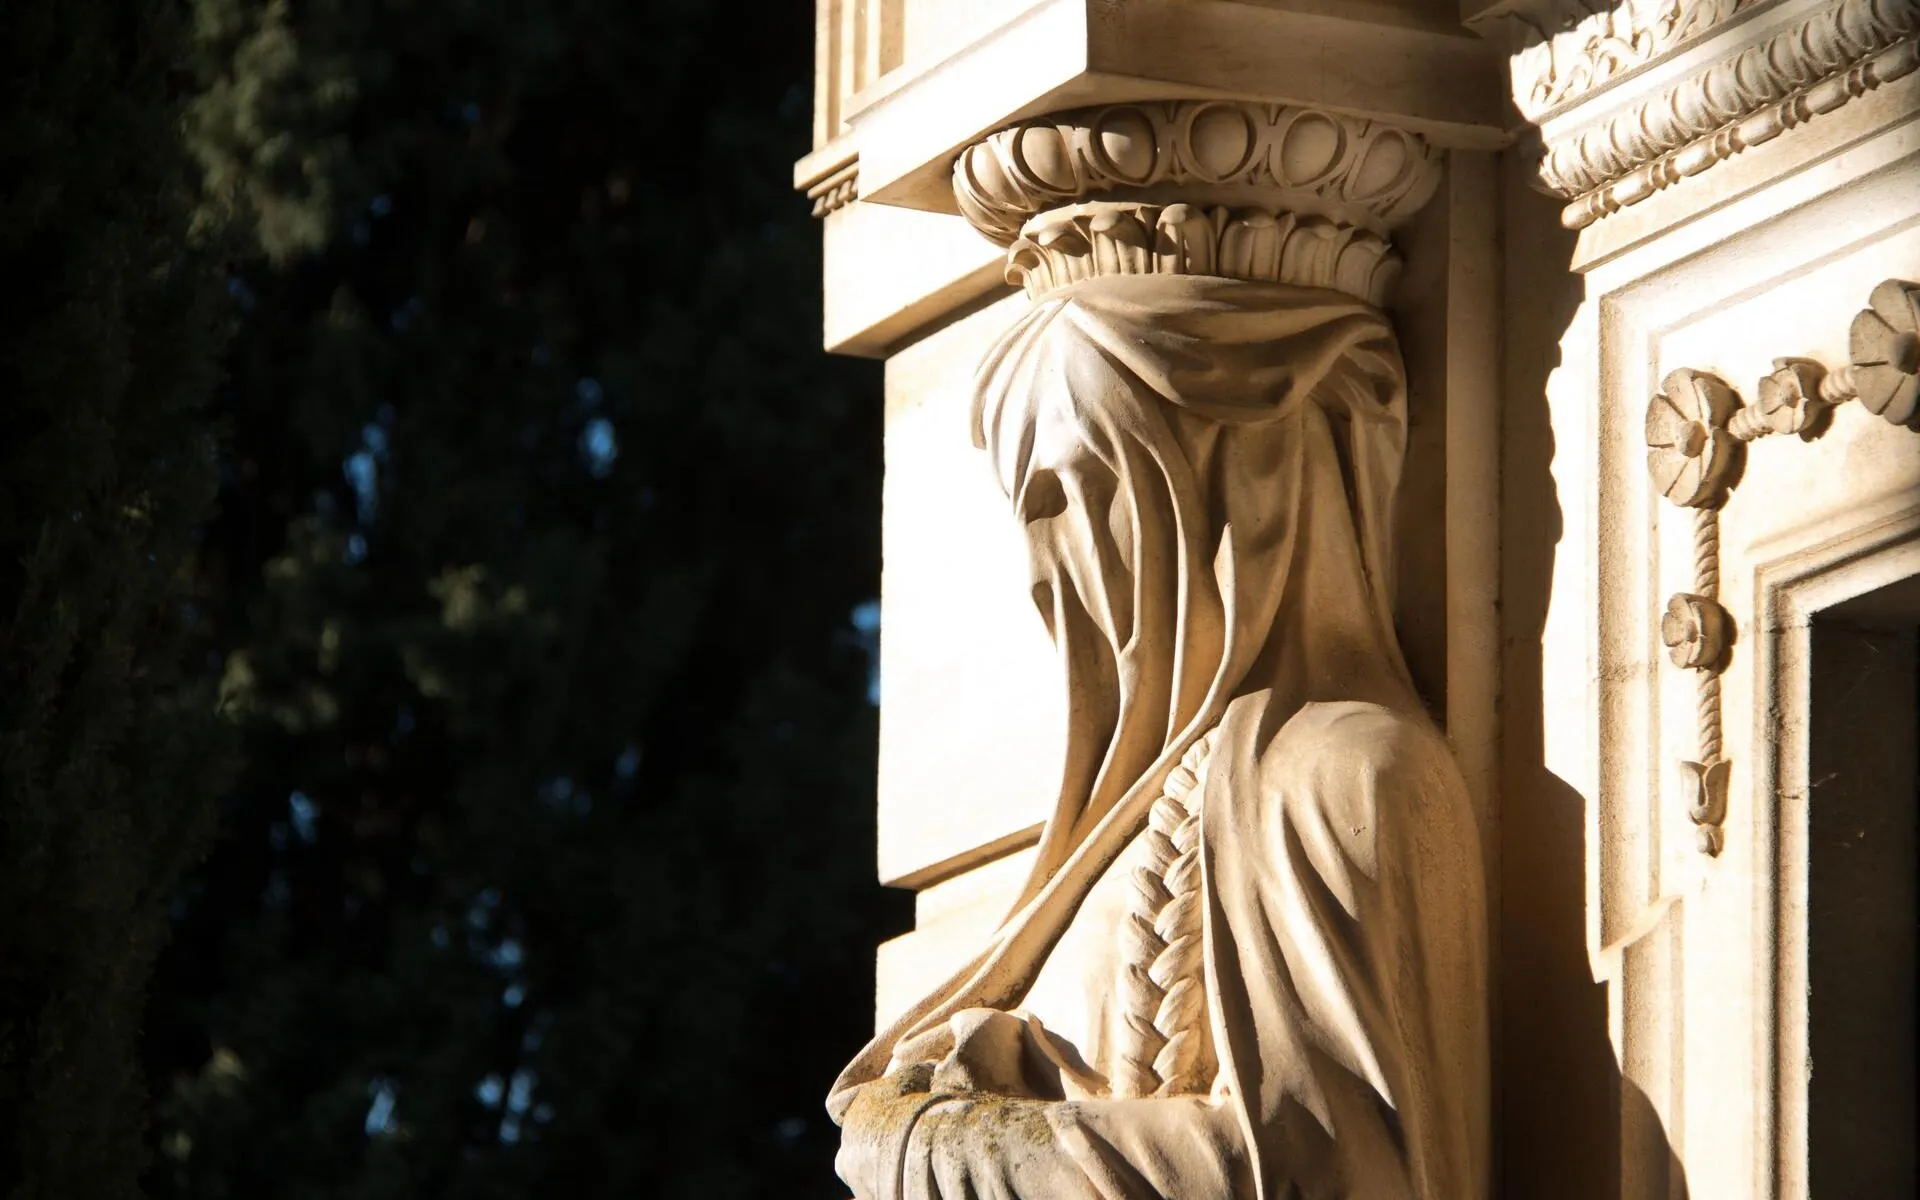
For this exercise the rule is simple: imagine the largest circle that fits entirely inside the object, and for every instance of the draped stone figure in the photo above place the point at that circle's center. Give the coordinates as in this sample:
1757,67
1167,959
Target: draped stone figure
1249,961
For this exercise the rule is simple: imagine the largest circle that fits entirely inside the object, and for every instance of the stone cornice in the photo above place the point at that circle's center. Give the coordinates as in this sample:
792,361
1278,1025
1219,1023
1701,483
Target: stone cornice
1352,171
1568,48
835,191
830,176
1781,78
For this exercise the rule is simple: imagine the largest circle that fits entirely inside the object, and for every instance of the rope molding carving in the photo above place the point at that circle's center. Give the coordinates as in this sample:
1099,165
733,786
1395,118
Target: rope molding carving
1697,431
1844,51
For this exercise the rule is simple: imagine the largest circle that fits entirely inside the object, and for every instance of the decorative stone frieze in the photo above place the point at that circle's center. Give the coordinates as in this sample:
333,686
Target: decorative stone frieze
1841,51
1572,47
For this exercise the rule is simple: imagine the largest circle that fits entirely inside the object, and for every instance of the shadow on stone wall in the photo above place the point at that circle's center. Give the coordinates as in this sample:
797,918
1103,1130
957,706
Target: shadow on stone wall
1563,1114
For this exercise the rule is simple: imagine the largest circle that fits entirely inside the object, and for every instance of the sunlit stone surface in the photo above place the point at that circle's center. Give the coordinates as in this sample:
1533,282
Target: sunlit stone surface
1347,734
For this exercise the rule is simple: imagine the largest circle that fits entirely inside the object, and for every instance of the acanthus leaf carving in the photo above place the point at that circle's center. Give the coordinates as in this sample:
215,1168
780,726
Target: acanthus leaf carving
1084,241
1706,787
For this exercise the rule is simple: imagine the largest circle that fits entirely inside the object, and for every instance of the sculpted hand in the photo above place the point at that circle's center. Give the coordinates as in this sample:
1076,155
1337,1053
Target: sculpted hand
991,1149
875,1127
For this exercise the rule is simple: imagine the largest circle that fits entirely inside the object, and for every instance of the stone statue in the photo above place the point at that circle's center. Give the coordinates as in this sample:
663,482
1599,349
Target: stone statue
1250,961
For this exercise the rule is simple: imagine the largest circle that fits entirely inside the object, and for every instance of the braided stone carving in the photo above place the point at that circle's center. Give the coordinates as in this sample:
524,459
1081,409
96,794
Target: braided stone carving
1165,1048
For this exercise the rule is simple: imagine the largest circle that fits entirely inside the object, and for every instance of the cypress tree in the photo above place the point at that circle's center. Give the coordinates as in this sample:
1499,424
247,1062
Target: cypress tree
543,530
109,755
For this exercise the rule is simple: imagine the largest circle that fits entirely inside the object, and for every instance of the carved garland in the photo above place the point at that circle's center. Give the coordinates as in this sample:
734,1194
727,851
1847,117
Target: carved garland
1847,49
1697,429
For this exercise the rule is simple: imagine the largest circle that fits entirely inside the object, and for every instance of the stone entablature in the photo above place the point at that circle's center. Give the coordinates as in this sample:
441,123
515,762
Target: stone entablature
1788,65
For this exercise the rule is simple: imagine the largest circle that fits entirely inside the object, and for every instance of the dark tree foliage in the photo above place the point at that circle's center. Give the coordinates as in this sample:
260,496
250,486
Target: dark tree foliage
109,761
543,522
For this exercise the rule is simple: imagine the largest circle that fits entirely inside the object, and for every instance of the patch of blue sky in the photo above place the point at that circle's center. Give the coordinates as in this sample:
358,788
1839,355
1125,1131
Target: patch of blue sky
507,956
520,1091
628,764
383,1096
865,619
363,476
599,446
305,816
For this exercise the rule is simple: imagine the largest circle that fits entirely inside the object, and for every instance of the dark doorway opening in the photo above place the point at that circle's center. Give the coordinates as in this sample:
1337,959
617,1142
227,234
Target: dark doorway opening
1863,907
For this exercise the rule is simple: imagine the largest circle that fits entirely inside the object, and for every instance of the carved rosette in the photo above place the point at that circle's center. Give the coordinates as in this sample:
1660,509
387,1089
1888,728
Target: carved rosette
1690,451
1276,193
1885,347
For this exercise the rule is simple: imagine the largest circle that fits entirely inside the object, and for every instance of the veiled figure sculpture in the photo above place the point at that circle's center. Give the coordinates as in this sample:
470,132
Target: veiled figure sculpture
1250,959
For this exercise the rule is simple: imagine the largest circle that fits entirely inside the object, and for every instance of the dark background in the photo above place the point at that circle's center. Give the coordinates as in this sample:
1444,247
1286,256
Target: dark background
471,729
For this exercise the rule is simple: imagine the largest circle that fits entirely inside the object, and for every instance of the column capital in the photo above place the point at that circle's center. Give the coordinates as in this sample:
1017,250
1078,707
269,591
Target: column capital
1247,190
